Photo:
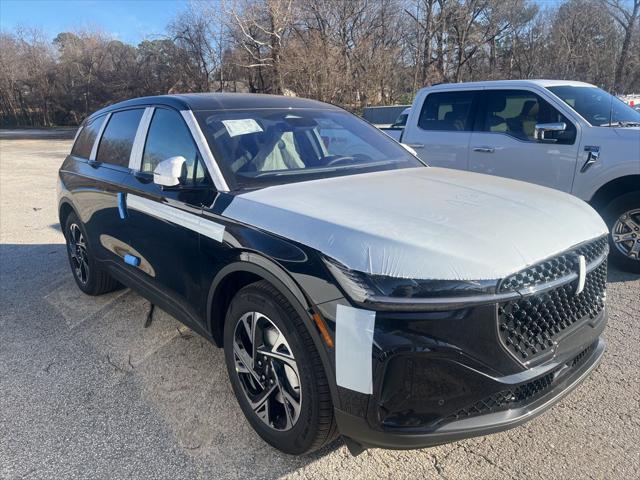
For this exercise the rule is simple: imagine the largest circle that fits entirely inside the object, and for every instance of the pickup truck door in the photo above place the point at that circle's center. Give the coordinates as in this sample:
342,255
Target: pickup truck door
439,128
504,141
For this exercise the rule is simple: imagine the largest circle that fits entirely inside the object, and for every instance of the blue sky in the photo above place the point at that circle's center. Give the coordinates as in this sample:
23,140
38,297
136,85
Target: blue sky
127,20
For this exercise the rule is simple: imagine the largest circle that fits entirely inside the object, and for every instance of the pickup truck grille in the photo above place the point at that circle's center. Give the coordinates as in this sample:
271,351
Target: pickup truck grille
556,267
528,326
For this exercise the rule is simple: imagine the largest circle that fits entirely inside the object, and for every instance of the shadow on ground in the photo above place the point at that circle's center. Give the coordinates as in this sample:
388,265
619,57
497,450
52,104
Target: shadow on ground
177,375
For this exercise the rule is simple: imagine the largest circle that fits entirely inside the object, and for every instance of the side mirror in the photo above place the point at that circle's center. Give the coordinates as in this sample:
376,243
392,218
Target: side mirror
542,128
168,172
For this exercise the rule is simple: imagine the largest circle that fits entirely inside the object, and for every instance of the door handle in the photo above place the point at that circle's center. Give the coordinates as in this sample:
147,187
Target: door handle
592,157
484,149
415,145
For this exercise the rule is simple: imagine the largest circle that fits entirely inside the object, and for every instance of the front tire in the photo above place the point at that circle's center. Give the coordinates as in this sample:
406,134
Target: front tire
276,372
89,276
622,216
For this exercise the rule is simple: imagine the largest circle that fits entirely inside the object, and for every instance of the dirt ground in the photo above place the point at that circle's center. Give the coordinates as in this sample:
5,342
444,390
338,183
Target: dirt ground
87,392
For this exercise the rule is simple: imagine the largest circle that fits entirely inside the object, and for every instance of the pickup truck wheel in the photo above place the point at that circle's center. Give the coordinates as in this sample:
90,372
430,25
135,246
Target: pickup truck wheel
89,277
276,372
622,216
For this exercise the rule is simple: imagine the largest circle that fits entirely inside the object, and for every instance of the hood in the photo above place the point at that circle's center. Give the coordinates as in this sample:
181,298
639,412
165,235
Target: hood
423,223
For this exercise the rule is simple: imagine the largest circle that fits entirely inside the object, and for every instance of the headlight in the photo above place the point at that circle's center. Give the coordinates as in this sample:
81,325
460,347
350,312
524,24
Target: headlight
362,287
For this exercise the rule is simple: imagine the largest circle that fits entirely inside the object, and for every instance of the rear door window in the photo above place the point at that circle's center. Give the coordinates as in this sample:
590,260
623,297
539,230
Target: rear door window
447,111
87,137
516,113
117,139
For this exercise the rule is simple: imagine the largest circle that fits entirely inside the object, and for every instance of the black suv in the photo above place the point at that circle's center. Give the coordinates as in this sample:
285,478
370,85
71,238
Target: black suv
354,289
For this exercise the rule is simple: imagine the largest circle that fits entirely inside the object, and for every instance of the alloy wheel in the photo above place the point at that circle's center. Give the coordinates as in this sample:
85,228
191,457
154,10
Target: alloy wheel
626,234
267,370
78,253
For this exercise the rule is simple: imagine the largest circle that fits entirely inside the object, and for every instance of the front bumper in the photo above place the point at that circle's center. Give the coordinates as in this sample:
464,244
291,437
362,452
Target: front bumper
567,376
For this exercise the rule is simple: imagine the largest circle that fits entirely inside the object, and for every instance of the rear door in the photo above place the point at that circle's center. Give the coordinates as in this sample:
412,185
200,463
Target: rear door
163,222
504,142
103,173
439,129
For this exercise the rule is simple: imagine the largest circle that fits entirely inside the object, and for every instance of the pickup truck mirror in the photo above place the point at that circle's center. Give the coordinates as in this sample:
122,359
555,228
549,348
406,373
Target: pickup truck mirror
168,172
542,128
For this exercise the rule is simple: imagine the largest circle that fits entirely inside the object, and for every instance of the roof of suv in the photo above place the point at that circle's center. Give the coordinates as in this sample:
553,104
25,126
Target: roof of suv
219,101
508,84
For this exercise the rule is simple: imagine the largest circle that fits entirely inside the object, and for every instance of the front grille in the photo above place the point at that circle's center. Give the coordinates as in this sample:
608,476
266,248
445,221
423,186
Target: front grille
556,267
517,396
529,325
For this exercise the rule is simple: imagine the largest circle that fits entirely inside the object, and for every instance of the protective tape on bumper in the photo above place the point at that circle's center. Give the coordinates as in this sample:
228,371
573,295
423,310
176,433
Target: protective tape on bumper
354,343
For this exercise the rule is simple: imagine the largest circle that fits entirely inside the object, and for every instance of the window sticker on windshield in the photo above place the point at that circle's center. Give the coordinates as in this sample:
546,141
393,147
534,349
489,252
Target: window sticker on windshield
242,126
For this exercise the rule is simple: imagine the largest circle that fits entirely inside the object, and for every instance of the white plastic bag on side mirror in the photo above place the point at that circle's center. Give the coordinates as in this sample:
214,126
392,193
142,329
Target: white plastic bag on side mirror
168,172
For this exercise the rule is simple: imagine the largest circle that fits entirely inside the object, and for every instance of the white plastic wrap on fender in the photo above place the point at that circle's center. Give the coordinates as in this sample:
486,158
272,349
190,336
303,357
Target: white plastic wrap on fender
354,343
423,223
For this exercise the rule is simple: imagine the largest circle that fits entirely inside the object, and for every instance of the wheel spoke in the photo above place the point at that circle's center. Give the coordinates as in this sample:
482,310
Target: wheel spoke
261,405
246,361
623,237
280,357
631,224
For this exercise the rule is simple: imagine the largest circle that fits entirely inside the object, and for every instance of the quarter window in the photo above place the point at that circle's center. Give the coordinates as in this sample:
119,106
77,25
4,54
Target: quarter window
117,139
447,111
516,113
169,137
86,139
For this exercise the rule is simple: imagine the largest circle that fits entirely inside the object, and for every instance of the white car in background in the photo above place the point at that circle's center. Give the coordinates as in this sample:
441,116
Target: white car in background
571,136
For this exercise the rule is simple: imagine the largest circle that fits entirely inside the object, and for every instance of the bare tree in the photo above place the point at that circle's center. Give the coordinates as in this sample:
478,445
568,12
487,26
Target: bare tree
626,13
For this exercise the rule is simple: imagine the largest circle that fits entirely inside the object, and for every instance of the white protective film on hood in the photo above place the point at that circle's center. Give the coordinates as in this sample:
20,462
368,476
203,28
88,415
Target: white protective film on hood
423,223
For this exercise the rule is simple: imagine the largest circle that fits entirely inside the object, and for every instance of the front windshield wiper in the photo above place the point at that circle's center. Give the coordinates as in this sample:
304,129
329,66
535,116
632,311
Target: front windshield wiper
621,124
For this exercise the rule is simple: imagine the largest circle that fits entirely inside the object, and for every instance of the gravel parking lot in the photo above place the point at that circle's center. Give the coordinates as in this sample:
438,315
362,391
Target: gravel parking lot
87,392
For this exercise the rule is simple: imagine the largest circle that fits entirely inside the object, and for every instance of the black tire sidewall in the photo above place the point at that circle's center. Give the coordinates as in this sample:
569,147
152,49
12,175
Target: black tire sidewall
90,286
611,213
300,438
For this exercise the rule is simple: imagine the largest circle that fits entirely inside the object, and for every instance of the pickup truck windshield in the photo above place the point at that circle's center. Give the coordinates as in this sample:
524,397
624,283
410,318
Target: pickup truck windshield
257,148
597,107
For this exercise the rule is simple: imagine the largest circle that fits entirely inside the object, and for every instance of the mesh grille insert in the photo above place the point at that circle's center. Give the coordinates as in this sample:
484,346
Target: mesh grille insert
528,326
519,395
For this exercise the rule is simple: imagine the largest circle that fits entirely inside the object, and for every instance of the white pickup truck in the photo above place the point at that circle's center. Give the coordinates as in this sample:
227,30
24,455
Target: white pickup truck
566,135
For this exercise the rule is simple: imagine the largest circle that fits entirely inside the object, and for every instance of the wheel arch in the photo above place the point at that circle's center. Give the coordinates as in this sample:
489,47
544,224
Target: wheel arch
64,210
613,189
247,269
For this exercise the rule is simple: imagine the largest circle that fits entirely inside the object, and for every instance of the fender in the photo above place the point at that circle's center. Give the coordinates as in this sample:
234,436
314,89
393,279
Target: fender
249,262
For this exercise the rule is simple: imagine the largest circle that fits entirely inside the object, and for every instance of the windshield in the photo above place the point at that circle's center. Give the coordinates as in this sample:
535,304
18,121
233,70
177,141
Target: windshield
257,148
597,107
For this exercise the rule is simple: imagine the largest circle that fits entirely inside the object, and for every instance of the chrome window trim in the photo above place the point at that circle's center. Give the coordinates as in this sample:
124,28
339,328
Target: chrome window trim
135,158
96,142
205,152
75,137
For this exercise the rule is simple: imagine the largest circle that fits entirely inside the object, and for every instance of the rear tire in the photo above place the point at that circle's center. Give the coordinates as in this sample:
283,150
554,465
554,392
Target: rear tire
267,346
622,216
89,276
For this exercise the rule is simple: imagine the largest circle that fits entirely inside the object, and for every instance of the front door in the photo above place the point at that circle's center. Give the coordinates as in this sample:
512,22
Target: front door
504,142
163,222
